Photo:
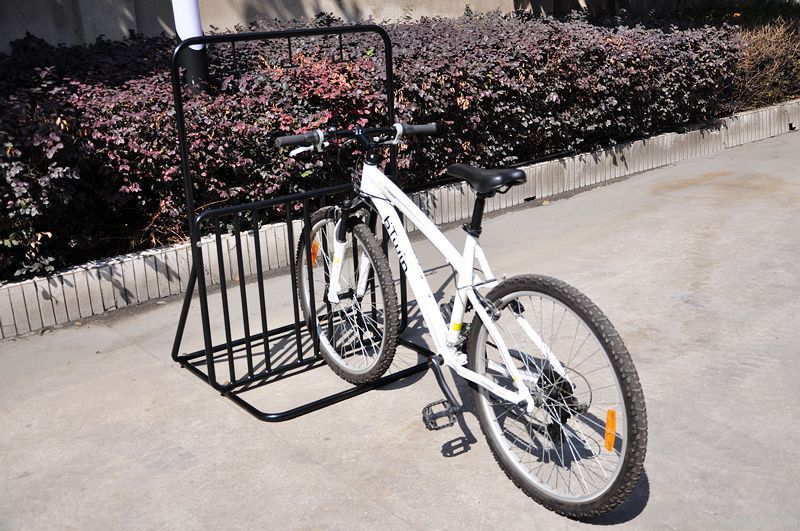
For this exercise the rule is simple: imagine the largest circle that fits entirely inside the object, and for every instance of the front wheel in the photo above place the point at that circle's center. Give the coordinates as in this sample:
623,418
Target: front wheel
581,449
357,335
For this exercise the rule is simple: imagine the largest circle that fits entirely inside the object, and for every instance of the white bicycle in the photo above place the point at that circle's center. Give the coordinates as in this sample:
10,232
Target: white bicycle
555,390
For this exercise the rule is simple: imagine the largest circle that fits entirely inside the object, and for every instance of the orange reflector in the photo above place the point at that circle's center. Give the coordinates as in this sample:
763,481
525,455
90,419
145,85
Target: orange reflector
611,428
314,252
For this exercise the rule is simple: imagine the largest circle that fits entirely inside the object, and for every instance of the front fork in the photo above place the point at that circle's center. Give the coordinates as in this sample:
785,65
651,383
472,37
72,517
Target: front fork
339,251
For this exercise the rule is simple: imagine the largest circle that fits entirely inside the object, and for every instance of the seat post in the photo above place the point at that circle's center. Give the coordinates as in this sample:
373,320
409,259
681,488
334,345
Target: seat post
474,227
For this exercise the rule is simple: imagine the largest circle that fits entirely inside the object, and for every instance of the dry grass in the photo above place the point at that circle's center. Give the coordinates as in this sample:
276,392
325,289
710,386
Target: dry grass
770,69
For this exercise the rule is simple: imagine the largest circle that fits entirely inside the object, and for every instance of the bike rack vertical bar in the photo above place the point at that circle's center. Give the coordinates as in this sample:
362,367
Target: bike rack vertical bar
237,234
187,302
261,301
387,48
373,299
223,292
295,287
291,60
194,229
235,60
387,53
403,300
310,268
326,272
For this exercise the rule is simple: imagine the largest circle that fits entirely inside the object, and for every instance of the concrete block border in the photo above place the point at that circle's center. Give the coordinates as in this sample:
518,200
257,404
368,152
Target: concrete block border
102,286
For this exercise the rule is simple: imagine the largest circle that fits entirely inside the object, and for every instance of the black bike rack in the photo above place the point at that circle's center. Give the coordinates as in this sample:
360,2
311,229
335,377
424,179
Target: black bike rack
249,360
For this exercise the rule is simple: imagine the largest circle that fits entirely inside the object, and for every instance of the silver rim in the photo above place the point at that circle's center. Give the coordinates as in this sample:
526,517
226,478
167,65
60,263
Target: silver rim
576,459
351,332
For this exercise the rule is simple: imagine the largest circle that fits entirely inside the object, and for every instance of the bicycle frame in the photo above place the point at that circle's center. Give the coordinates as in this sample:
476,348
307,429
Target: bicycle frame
388,199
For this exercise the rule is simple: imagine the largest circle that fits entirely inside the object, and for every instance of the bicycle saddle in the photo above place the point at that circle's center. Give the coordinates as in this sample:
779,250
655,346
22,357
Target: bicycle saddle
487,181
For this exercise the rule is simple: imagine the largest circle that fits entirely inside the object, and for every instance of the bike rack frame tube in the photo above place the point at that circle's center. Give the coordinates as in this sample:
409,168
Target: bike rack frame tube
212,354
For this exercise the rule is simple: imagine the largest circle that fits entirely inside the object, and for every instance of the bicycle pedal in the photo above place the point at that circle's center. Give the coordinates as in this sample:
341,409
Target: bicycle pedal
439,415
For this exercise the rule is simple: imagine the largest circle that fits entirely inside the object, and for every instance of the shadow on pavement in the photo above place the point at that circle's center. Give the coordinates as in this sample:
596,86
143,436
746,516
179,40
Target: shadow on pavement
461,445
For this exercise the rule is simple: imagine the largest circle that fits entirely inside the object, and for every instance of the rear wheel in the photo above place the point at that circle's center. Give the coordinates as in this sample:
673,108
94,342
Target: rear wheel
357,335
581,450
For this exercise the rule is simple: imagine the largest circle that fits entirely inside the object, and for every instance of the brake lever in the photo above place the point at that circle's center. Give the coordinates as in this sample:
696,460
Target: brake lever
297,151
319,146
398,134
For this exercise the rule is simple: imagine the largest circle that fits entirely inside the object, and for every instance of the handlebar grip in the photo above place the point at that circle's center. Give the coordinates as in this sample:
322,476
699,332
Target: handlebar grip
307,139
426,129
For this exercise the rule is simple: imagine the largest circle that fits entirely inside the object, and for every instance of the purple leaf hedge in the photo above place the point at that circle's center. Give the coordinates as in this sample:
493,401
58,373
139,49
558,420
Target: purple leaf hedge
89,148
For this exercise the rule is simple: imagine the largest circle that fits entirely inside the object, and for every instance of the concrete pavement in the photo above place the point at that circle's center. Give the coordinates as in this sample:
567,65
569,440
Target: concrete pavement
695,264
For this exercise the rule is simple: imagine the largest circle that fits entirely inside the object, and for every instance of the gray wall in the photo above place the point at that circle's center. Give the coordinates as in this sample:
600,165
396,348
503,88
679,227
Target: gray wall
81,21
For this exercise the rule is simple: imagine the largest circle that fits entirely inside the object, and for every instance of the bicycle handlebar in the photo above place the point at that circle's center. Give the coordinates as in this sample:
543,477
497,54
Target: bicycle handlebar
316,138
426,129
303,139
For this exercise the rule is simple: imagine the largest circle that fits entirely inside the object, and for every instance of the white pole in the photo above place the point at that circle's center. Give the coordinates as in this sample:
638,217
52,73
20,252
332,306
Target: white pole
194,59
187,20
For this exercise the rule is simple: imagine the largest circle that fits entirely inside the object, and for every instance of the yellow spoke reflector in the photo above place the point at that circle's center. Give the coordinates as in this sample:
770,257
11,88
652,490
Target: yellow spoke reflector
611,428
314,252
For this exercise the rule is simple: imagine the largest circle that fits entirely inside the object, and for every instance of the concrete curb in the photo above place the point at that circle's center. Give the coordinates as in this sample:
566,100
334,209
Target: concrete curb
102,286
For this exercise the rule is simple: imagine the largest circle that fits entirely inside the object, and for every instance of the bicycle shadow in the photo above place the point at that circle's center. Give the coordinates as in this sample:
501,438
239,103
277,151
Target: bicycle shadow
463,444
416,331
